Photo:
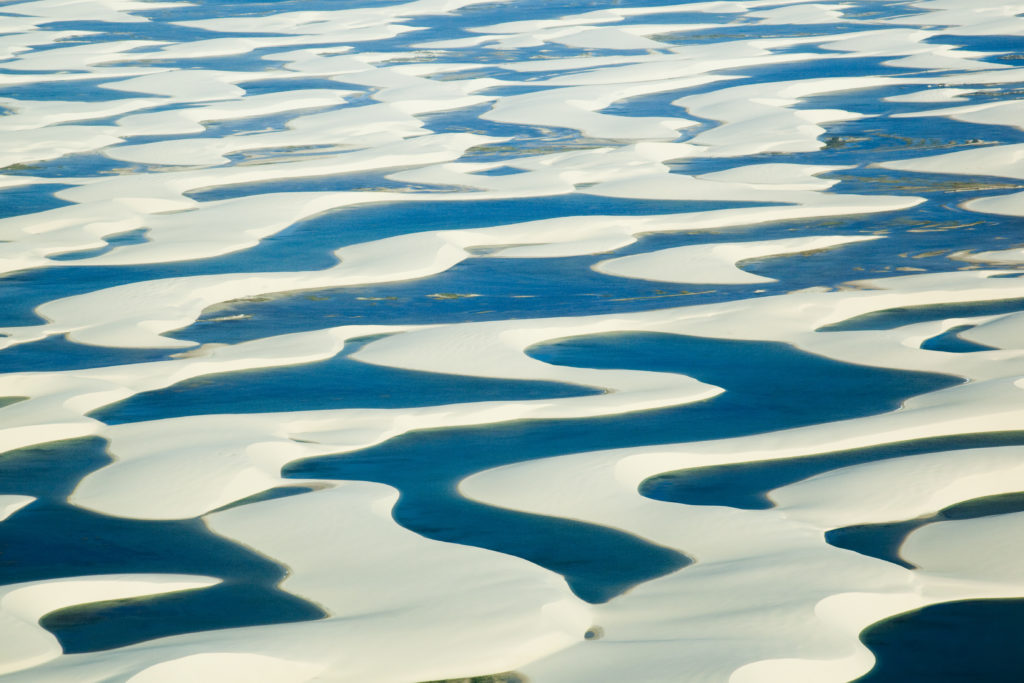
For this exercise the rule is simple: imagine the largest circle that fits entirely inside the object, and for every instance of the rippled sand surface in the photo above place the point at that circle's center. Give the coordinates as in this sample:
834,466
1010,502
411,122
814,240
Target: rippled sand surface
512,340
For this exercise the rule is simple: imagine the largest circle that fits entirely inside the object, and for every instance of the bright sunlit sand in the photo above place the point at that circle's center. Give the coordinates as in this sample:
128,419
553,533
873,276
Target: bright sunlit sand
510,340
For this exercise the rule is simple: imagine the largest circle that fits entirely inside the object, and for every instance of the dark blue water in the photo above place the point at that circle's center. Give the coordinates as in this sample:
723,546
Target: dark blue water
883,541
339,382
768,386
309,244
57,353
475,290
957,642
892,318
113,241
15,201
51,539
746,485
950,342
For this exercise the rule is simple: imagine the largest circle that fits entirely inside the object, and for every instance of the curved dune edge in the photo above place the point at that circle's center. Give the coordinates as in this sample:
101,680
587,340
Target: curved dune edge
767,598
253,448
715,263
28,645
743,583
142,447
1004,161
10,504
388,129
124,315
396,602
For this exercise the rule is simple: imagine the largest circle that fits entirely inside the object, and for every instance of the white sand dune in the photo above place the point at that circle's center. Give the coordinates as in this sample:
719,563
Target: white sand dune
714,263
151,457
11,504
197,131
401,611
28,645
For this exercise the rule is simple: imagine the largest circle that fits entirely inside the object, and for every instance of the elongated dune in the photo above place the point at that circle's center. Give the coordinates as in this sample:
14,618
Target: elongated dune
450,340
